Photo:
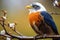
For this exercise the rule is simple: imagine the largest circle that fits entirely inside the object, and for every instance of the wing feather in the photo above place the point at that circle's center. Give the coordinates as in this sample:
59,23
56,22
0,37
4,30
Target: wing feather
49,20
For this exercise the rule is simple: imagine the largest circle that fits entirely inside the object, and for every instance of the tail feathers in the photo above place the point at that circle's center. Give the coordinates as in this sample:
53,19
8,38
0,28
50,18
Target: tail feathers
56,38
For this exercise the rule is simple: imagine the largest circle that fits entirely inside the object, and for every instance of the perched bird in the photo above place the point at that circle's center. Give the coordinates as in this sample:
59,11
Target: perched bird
40,20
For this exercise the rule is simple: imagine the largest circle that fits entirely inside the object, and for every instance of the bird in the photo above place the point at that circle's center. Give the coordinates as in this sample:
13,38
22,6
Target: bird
41,21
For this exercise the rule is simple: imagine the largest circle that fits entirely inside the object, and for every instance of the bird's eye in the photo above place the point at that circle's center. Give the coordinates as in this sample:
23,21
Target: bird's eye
36,7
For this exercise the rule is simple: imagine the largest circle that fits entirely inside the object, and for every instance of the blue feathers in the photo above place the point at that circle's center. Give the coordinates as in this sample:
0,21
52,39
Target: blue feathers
49,20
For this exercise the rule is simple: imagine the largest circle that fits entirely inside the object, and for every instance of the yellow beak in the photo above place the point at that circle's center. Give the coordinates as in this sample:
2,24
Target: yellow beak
28,7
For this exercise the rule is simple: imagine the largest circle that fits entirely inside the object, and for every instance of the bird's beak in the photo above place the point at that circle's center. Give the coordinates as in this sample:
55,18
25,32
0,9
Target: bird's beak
28,7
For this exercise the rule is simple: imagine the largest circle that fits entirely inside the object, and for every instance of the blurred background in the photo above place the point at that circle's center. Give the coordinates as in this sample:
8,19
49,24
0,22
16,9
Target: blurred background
16,12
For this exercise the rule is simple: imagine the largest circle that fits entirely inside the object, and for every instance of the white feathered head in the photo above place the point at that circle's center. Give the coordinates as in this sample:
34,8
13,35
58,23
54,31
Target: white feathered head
35,7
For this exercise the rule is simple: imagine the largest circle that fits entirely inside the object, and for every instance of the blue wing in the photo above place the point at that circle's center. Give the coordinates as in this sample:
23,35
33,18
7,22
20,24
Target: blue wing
49,20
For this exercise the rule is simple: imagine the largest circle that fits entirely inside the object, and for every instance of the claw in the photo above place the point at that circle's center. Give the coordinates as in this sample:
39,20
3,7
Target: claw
44,35
35,37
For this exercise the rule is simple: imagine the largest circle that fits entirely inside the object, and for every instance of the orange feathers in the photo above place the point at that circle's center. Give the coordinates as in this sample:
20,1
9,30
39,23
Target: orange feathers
35,16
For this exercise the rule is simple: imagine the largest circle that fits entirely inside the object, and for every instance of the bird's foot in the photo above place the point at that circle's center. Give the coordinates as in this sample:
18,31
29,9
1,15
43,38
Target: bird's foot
35,37
44,35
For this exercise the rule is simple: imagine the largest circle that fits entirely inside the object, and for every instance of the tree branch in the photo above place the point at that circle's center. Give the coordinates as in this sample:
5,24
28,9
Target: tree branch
54,13
30,37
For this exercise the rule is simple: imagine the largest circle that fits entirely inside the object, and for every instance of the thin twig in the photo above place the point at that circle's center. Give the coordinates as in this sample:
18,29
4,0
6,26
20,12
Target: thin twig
31,37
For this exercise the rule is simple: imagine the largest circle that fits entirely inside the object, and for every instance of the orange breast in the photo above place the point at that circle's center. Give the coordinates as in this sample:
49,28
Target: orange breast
35,17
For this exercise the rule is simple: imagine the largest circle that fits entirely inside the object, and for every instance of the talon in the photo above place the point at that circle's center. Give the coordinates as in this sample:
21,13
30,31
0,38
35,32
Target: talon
44,35
35,37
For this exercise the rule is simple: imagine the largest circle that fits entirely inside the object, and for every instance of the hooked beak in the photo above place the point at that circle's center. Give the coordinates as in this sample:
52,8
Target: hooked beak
28,7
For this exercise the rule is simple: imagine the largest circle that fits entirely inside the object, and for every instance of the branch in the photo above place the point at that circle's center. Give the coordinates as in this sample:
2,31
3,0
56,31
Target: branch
14,30
30,37
54,13
24,37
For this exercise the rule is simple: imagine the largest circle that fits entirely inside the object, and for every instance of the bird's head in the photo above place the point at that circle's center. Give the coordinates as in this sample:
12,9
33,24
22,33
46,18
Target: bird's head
35,7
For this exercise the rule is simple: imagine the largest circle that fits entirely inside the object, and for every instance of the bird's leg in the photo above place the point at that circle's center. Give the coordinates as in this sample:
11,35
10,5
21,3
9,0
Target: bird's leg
44,35
35,37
